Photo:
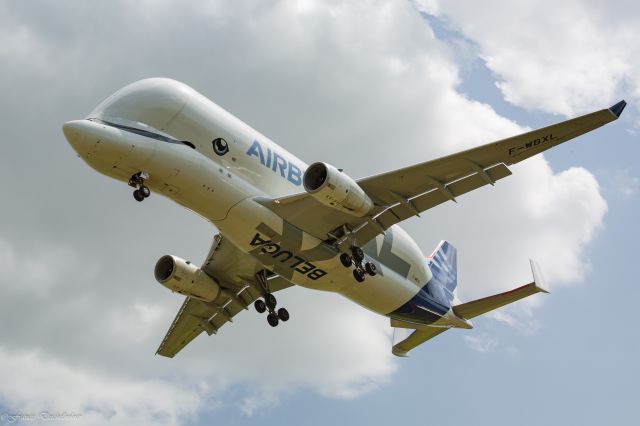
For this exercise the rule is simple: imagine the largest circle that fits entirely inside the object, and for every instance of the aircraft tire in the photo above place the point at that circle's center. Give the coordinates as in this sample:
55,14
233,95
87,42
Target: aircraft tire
145,191
346,261
137,195
370,268
358,254
260,306
272,319
283,314
358,274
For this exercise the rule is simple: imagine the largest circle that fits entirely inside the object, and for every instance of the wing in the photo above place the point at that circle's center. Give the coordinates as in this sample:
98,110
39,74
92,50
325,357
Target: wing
403,193
235,271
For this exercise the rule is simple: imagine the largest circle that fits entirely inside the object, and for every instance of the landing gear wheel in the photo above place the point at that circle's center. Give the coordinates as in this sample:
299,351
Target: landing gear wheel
137,181
346,261
283,314
272,319
358,274
358,254
370,268
144,191
260,306
271,300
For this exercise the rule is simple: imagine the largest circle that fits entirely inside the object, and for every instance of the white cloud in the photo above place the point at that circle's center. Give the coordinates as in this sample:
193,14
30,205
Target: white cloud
330,346
42,270
482,343
266,399
33,383
582,56
317,78
625,183
523,323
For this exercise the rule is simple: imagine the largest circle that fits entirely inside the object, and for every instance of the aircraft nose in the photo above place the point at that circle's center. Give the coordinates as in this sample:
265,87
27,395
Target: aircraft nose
73,131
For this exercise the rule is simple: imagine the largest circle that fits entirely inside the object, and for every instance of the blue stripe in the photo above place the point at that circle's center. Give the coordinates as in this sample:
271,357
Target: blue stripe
423,308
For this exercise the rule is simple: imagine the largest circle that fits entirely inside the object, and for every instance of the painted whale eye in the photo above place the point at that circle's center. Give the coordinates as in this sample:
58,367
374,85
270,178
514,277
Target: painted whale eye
220,146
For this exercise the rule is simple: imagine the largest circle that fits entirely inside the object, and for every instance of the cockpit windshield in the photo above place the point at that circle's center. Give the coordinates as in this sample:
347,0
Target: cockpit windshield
143,132
146,108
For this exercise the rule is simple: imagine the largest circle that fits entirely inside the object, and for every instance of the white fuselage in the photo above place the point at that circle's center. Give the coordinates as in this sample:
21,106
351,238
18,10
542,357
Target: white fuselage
222,188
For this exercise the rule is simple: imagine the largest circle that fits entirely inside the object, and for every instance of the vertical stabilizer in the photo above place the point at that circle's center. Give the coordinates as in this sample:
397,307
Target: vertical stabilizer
443,264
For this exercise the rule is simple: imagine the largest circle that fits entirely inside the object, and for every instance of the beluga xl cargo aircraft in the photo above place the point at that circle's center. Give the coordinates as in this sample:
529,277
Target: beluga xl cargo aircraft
282,222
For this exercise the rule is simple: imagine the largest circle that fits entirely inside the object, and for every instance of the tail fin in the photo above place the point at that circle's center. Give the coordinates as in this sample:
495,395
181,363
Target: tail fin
443,264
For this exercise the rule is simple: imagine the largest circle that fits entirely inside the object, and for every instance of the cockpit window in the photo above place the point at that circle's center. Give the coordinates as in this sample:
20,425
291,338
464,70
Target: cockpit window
145,133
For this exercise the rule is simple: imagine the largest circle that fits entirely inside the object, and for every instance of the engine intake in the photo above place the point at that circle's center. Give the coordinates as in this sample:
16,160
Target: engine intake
336,189
185,278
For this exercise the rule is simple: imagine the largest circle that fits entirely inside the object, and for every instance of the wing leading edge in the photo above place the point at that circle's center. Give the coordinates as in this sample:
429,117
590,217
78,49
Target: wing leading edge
407,192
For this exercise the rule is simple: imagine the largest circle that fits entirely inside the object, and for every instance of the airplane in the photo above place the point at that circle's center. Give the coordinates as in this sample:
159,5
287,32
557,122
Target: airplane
282,222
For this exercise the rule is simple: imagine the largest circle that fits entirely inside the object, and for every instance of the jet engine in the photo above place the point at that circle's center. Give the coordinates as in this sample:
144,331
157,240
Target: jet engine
179,275
336,189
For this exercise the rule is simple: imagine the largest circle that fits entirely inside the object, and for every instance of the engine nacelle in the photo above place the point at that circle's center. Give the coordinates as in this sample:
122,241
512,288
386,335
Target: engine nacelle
179,275
336,189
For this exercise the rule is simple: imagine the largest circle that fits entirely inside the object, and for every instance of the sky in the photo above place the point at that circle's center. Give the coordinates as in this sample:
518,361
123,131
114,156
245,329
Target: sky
367,86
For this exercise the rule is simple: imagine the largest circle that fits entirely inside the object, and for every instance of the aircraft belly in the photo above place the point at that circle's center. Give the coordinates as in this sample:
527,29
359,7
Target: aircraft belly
308,261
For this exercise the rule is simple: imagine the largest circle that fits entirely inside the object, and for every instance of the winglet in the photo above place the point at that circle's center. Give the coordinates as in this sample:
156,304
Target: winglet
618,108
538,282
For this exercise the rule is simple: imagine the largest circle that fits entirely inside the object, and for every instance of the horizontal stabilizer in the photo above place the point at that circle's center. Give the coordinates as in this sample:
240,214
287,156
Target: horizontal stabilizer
403,342
480,306
402,345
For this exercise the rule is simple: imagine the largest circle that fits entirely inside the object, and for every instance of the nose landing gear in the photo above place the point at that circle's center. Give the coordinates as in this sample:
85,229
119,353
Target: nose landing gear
137,181
361,269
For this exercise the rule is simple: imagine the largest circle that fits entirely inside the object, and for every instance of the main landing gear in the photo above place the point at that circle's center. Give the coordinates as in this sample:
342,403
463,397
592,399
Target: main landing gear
357,258
137,181
269,303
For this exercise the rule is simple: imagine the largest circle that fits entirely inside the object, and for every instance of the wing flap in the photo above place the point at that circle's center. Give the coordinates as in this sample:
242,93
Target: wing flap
508,151
196,316
411,206
184,328
304,212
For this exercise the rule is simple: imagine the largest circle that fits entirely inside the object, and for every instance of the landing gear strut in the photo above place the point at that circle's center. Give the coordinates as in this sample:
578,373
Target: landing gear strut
361,269
137,181
269,303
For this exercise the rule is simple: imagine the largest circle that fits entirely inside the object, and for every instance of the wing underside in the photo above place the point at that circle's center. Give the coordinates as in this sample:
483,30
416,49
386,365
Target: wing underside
407,192
235,272
196,316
